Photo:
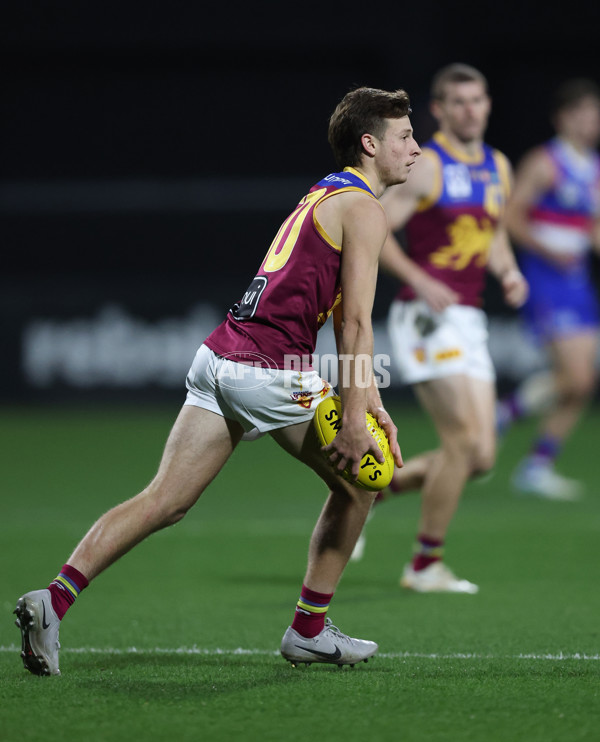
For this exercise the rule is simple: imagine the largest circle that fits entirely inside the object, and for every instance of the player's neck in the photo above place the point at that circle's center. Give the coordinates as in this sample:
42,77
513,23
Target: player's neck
373,181
577,145
470,148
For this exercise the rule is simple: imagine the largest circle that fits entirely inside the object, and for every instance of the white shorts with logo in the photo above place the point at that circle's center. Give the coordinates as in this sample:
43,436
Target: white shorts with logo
257,398
432,345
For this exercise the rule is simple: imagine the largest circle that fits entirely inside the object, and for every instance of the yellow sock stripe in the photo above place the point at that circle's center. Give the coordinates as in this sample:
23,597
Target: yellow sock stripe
312,608
67,585
430,551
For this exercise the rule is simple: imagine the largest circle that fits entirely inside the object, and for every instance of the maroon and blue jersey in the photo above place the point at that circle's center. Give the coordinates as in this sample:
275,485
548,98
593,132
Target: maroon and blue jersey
449,235
276,320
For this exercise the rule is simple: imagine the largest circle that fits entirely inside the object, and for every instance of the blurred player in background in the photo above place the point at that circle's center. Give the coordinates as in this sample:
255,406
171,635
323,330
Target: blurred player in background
553,217
451,210
245,376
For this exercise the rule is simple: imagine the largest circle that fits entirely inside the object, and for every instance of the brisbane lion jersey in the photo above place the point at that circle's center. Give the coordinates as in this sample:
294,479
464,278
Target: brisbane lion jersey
449,235
276,321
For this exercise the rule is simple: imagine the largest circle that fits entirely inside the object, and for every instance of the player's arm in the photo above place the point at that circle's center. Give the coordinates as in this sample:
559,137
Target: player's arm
400,203
364,228
374,404
534,176
502,263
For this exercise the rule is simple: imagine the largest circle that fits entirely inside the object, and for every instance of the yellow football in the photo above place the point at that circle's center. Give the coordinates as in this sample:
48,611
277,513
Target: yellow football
373,476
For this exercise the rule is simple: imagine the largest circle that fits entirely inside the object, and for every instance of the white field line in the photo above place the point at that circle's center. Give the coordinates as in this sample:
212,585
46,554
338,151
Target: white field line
214,652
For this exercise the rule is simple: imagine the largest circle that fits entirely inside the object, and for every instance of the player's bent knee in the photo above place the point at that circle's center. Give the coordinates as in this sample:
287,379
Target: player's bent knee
164,518
484,459
586,387
164,510
483,465
465,444
341,488
175,516
579,387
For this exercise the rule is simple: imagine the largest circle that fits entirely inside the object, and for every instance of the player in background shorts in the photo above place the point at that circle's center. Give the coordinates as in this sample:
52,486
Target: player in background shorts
554,220
254,371
451,210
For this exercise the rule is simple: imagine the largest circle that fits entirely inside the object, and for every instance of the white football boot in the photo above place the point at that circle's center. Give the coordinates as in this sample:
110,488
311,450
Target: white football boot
436,578
39,626
330,646
540,480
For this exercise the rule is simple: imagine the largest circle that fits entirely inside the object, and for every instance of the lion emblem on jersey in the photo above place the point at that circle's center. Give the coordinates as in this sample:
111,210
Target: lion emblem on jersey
469,242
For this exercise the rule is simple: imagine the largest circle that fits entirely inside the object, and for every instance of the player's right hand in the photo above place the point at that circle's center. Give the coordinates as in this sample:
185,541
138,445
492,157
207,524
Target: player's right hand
436,294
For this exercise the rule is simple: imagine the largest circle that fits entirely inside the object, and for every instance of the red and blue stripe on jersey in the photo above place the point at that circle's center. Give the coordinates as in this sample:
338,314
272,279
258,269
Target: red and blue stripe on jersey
566,211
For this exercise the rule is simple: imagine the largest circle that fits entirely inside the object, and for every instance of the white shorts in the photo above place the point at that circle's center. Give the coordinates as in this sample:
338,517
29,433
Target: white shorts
261,398
431,345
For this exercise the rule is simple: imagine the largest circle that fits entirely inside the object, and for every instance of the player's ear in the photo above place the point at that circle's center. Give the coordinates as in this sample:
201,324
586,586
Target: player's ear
434,109
369,143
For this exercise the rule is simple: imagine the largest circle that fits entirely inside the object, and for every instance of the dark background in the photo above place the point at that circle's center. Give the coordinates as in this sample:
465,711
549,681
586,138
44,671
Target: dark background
150,151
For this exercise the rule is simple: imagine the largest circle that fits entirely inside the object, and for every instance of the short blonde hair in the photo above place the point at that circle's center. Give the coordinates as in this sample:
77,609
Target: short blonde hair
452,73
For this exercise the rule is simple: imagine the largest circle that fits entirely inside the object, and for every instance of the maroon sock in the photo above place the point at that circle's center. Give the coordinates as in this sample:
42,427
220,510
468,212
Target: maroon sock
427,551
309,619
65,587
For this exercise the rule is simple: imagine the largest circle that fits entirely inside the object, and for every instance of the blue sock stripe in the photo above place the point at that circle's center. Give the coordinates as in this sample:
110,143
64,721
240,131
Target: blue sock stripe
428,549
312,603
63,578
547,447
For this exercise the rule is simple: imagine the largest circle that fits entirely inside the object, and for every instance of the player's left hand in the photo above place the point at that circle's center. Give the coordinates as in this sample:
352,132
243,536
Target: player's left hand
515,288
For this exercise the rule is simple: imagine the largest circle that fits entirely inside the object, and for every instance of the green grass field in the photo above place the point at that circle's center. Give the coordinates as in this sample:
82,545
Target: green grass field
180,639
